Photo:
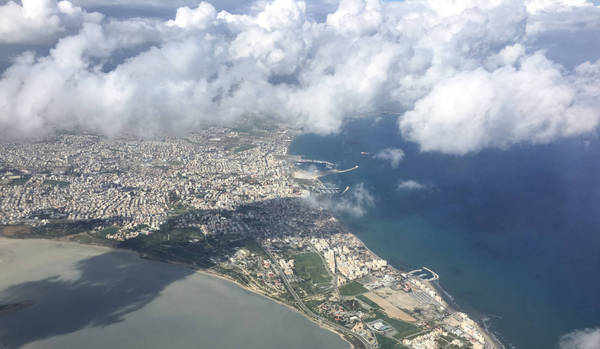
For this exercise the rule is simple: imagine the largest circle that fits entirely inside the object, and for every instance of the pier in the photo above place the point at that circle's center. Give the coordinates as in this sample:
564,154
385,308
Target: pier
424,274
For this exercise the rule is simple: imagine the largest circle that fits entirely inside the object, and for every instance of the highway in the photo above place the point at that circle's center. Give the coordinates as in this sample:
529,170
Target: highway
342,329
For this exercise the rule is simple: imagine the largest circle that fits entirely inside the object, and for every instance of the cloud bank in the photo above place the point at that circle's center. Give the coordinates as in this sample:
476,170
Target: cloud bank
583,339
463,75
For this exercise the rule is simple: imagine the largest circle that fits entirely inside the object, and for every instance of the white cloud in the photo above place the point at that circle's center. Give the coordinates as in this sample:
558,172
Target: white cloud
533,102
393,155
40,21
582,339
355,202
410,185
201,17
536,6
465,71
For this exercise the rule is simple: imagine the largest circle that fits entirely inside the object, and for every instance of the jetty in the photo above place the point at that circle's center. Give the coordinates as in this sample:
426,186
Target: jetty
424,274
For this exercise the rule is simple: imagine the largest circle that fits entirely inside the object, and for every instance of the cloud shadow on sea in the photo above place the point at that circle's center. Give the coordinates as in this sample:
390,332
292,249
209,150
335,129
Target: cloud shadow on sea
111,285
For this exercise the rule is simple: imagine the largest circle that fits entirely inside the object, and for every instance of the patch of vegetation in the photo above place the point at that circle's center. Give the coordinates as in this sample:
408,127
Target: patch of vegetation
234,274
254,128
84,239
242,129
253,246
244,147
107,231
351,305
138,227
179,209
19,181
368,302
66,227
309,266
404,328
352,289
186,245
55,183
388,343
444,342
354,342
313,304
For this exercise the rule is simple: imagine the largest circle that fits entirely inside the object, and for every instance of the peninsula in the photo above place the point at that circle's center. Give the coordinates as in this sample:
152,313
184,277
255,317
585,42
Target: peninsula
229,202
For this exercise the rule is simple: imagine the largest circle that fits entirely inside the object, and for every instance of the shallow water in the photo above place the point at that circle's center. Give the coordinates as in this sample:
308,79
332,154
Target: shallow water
93,297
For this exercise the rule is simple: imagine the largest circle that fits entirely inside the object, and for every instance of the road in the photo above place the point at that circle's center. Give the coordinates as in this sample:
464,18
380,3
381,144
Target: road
306,310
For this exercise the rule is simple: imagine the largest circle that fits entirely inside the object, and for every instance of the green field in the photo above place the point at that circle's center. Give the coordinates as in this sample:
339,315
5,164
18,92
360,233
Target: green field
352,289
309,266
369,302
404,328
388,343
107,230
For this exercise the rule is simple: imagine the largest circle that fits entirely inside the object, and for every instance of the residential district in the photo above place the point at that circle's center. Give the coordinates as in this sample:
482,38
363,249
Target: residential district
227,201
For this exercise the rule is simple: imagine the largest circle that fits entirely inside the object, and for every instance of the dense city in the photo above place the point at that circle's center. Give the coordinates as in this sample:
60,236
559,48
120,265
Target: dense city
226,201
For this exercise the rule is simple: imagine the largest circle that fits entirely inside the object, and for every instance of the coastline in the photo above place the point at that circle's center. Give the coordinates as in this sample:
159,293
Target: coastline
258,292
448,301
450,304
447,298
478,318
205,272
255,289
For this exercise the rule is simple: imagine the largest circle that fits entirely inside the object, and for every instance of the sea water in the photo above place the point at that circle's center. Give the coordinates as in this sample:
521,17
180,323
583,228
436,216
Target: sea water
513,233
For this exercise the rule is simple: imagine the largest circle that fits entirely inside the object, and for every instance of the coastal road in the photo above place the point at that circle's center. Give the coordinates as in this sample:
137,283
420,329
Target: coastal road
309,312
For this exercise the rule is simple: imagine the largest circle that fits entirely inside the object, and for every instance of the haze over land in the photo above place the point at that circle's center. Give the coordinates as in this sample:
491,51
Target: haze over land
495,72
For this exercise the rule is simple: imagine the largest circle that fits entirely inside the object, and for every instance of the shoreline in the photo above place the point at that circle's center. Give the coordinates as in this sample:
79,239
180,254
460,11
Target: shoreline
205,272
442,298
449,301
478,318
447,298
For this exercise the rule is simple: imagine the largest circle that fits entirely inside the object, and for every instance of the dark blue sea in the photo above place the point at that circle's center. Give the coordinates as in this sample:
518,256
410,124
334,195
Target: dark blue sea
514,234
